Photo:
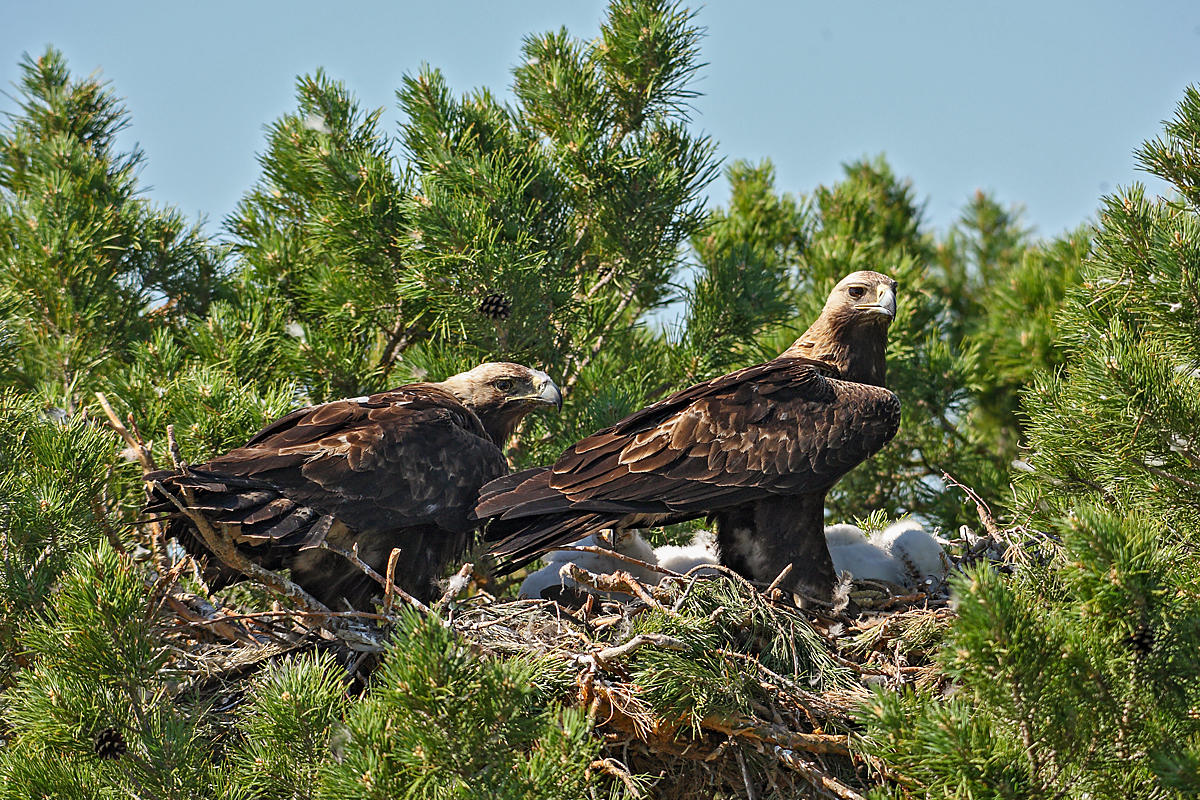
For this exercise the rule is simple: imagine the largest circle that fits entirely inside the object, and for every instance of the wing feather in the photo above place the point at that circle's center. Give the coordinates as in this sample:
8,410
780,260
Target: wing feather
783,427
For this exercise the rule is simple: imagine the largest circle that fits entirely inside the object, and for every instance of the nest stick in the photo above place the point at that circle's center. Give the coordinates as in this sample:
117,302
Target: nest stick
352,556
617,582
778,579
657,639
816,776
600,551
388,595
750,793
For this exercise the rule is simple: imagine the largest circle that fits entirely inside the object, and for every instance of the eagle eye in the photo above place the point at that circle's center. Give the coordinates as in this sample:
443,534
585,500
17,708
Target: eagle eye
504,385
856,291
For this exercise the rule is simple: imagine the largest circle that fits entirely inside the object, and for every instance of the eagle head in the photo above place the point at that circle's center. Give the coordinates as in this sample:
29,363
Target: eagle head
501,393
851,333
863,298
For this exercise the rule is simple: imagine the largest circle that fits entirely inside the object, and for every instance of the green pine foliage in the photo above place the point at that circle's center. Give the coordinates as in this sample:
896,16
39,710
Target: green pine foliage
83,258
441,722
1077,677
53,476
96,669
288,728
561,229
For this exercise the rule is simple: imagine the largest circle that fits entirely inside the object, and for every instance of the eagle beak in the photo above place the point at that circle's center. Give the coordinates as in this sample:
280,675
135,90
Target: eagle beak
884,305
548,391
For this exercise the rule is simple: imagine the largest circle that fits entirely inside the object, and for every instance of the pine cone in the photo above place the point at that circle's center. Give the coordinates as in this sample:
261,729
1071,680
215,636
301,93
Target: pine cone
495,306
1142,640
110,744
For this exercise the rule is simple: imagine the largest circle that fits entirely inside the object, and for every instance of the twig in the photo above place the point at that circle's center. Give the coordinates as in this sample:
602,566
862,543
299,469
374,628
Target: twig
815,776
618,770
370,572
102,518
768,733
162,587
1184,482
778,579
291,612
985,513
598,345
139,448
457,583
750,793
389,585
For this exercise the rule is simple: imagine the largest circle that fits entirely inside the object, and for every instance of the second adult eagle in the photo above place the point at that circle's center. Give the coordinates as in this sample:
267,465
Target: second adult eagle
755,450
398,469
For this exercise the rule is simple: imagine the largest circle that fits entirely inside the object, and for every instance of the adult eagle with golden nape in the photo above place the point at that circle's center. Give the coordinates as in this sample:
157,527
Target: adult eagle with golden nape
755,451
399,469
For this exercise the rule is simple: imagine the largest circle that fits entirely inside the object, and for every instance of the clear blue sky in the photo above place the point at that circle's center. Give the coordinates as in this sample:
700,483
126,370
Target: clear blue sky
1040,102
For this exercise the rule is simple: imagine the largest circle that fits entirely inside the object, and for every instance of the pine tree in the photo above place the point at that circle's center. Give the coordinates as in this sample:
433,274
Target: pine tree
1077,677
82,257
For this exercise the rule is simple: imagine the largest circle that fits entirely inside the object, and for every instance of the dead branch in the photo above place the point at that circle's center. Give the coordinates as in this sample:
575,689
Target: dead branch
352,557
173,448
109,532
139,449
815,775
228,631
985,513
600,551
777,735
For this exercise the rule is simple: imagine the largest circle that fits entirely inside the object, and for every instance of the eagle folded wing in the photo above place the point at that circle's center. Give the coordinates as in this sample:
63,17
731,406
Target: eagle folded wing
407,457
779,428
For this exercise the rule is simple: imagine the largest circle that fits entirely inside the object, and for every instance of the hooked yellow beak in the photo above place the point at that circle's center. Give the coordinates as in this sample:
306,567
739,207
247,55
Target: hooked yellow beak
884,305
548,391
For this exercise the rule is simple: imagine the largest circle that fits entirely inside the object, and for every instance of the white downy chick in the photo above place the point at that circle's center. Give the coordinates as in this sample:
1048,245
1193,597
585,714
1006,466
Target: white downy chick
913,549
852,552
630,543
698,552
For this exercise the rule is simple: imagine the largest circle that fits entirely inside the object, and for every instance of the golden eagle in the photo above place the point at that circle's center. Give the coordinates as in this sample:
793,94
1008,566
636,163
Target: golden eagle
398,469
755,451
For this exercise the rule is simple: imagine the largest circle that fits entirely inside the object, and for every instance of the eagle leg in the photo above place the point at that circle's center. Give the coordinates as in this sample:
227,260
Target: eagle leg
759,539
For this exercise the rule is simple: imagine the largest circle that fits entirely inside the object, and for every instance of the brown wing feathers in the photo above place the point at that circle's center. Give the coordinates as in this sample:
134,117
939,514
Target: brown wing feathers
780,427
413,458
